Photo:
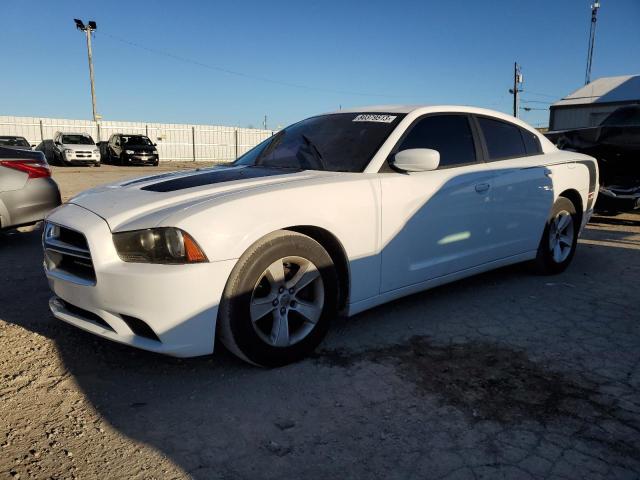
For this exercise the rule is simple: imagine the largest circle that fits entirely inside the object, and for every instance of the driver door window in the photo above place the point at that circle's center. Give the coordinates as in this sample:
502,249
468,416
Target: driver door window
450,135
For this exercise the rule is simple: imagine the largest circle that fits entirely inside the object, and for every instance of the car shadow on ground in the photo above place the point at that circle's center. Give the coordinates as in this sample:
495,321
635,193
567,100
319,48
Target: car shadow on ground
435,382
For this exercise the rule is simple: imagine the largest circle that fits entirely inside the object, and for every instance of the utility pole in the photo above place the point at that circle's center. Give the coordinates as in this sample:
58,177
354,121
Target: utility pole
517,83
264,123
592,40
88,29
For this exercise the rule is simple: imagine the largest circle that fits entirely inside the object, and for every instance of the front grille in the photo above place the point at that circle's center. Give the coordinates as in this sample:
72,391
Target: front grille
83,154
67,251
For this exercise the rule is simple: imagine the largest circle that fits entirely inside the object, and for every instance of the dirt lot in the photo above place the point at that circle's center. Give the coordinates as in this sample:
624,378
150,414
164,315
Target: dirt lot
505,375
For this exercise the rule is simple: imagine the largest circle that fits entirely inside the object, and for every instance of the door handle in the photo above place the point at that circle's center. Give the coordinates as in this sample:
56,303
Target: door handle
482,187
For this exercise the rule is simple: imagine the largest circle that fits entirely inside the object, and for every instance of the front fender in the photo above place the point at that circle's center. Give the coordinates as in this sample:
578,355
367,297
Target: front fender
349,209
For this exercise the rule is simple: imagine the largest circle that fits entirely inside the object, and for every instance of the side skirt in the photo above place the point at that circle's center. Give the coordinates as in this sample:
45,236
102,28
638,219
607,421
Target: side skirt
385,297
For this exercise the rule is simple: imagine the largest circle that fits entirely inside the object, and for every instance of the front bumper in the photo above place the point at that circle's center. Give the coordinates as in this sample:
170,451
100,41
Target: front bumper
138,159
75,159
179,303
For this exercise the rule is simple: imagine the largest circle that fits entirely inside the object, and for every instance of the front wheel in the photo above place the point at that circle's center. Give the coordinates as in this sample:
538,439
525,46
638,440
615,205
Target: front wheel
279,300
559,240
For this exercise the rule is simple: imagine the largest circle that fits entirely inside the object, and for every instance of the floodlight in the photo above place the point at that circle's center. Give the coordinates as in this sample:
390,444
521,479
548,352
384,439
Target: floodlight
79,24
92,25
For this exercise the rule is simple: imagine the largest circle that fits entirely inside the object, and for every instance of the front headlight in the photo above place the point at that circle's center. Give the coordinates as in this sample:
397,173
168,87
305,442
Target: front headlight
68,151
96,152
155,152
129,152
158,245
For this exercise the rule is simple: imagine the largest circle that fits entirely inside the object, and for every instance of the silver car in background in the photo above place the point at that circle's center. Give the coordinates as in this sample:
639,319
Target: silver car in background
27,191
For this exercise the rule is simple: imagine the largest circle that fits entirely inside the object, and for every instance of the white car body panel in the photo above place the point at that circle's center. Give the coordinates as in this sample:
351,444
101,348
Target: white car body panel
400,232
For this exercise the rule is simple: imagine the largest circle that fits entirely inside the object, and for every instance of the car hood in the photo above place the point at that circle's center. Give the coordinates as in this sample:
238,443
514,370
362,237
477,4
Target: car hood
145,202
78,147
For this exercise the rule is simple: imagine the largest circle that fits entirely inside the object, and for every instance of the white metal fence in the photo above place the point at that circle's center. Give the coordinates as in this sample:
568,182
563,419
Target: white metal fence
176,142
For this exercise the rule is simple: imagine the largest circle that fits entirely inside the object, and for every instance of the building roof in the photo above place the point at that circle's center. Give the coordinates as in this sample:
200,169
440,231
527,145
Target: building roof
625,88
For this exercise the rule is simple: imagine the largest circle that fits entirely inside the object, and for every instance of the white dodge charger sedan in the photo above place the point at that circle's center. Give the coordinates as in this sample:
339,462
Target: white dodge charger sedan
335,214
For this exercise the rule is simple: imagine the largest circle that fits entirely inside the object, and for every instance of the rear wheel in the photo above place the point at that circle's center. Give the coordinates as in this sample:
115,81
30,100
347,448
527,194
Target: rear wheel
559,240
279,300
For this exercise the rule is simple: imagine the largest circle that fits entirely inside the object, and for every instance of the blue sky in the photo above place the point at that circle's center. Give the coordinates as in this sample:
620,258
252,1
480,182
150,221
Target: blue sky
348,52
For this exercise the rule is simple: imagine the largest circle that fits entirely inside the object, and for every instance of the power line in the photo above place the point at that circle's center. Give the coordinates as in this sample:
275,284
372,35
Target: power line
535,101
542,95
243,74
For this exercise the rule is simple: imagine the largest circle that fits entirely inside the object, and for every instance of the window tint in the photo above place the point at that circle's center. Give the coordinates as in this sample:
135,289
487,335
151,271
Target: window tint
339,142
503,139
448,134
531,143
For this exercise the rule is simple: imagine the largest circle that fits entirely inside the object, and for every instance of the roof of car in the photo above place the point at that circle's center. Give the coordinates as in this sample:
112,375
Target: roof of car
383,109
424,109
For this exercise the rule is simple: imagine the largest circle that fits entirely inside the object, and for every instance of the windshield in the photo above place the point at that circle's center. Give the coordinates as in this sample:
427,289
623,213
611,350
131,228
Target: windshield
136,140
77,140
625,116
343,142
14,142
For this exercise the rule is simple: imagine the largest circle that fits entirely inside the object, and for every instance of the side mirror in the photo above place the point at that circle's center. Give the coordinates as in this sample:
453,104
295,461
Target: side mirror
155,144
417,160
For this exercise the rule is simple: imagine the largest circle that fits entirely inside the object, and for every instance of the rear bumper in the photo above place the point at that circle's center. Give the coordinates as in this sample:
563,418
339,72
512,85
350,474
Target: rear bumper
29,204
178,303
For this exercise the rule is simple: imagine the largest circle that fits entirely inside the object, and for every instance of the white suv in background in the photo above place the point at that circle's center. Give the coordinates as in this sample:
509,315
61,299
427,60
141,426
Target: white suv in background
75,149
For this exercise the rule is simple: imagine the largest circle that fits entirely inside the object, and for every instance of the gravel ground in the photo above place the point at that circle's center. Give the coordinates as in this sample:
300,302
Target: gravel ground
504,375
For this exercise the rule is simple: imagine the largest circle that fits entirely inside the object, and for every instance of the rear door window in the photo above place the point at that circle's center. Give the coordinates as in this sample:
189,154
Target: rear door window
450,135
503,139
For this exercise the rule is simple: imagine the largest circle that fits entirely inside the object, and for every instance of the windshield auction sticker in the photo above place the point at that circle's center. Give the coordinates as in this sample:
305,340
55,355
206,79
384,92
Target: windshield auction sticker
375,118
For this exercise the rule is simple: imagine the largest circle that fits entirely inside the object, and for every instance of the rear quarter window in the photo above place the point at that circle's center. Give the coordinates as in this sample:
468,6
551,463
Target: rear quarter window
503,139
531,142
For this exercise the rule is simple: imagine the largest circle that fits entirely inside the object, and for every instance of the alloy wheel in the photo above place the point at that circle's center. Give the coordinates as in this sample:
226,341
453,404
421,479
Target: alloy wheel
287,301
561,236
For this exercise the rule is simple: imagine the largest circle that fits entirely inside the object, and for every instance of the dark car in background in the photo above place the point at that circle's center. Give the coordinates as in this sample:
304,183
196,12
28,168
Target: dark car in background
12,141
615,143
27,191
123,149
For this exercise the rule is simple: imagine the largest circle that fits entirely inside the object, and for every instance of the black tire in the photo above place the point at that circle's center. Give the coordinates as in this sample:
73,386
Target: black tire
235,326
545,263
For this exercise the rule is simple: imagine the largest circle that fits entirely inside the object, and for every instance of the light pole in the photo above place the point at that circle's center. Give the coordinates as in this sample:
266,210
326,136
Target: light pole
87,29
517,83
592,40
